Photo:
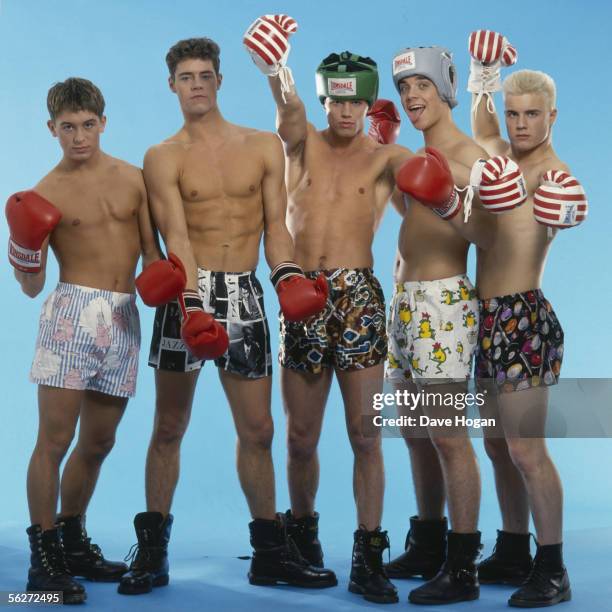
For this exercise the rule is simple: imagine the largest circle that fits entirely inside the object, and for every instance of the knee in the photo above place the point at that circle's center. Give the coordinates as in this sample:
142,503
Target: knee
258,436
96,450
362,445
301,445
418,446
526,455
497,450
449,448
168,433
54,447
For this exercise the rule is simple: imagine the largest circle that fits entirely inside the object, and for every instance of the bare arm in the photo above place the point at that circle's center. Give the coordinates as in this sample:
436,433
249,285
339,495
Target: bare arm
32,284
149,238
290,117
278,244
486,129
161,175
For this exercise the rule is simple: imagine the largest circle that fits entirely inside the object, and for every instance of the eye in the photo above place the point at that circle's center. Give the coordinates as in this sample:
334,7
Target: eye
423,84
533,113
66,128
89,125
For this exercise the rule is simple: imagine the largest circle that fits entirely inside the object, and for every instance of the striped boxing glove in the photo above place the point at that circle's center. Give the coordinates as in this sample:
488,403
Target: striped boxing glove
267,42
489,51
560,200
501,185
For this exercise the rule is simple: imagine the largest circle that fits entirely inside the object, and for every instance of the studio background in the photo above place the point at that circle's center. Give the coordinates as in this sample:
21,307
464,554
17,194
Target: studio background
121,46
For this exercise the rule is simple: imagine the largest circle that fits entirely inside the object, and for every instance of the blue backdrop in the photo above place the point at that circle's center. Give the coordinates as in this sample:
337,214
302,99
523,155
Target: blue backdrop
121,45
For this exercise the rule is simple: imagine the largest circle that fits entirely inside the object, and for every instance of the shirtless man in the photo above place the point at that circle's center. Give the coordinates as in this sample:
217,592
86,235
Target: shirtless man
432,337
520,347
215,188
339,181
92,210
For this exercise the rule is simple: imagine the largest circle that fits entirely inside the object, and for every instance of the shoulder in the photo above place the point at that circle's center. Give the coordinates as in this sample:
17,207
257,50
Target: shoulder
467,151
168,152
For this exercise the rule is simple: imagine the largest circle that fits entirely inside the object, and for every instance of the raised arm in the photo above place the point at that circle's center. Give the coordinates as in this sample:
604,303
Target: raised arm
489,51
161,175
267,42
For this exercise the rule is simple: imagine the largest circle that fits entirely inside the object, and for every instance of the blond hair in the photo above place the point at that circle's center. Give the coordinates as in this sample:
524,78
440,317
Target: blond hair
531,82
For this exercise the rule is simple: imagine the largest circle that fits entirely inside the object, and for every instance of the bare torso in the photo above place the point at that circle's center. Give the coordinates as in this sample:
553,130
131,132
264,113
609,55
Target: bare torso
429,247
336,199
221,188
97,241
517,258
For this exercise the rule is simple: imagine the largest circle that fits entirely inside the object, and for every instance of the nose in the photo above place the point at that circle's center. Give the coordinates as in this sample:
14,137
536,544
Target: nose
346,109
521,122
79,136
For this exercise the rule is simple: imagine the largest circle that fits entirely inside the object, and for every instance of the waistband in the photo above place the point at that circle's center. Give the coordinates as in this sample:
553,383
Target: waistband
118,298
412,285
531,295
204,271
330,272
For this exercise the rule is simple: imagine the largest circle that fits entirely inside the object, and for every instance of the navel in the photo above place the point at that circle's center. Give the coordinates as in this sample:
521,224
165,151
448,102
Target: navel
361,190
133,212
308,183
76,222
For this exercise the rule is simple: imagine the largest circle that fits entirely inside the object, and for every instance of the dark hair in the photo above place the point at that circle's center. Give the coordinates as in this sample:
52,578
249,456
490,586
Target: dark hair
75,94
193,48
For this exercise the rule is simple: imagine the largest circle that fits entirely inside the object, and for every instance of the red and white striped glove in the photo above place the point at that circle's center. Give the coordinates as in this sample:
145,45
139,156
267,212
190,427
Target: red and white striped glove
489,51
560,201
501,185
267,41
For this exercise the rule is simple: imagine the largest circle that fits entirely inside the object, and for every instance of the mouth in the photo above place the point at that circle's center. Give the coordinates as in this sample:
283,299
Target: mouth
198,97
414,111
346,125
80,149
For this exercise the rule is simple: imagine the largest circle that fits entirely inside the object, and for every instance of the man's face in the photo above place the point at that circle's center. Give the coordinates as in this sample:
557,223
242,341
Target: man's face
196,83
529,120
78,133
421,101
346,117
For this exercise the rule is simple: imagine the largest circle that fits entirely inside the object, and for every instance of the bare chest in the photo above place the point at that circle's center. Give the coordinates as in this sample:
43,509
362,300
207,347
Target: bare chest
231,172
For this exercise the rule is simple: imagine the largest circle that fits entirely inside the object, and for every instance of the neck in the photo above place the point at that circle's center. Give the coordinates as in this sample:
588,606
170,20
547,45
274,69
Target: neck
340,142
441,132
209,124
72,165
543,150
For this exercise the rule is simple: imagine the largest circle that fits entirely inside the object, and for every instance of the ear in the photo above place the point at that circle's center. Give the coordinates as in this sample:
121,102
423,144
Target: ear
219,81
102,123
51,126
171,84
553,116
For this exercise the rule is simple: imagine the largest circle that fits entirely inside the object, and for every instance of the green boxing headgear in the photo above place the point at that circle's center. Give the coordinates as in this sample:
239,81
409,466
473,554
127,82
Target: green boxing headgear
347,77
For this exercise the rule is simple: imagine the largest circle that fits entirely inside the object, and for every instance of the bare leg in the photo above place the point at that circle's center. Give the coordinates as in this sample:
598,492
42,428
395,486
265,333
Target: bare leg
524,415
424,463
250,401
174,397
357,388
509,484
58,411
304,398
100,416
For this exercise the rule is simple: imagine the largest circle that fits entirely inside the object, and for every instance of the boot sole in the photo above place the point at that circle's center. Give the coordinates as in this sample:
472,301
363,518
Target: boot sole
439,602
409,575
382,599
560,599
269,581
157,582
509,581
100,578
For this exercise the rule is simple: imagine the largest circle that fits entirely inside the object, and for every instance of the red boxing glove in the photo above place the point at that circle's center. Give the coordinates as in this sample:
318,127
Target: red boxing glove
31,219
429,180
299,296
560,200
384,122
162,281
204,337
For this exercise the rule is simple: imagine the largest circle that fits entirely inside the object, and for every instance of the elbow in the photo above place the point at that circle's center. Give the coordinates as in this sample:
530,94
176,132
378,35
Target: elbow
31,290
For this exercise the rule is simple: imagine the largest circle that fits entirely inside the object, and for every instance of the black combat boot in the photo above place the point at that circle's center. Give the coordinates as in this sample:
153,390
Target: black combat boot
277,560
425,550
368,576
510,562
305,533
457,579
149,566
547,584
48,571
84,558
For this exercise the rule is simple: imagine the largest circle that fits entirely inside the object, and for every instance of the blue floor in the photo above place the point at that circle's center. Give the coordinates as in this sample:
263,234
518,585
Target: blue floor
218,582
